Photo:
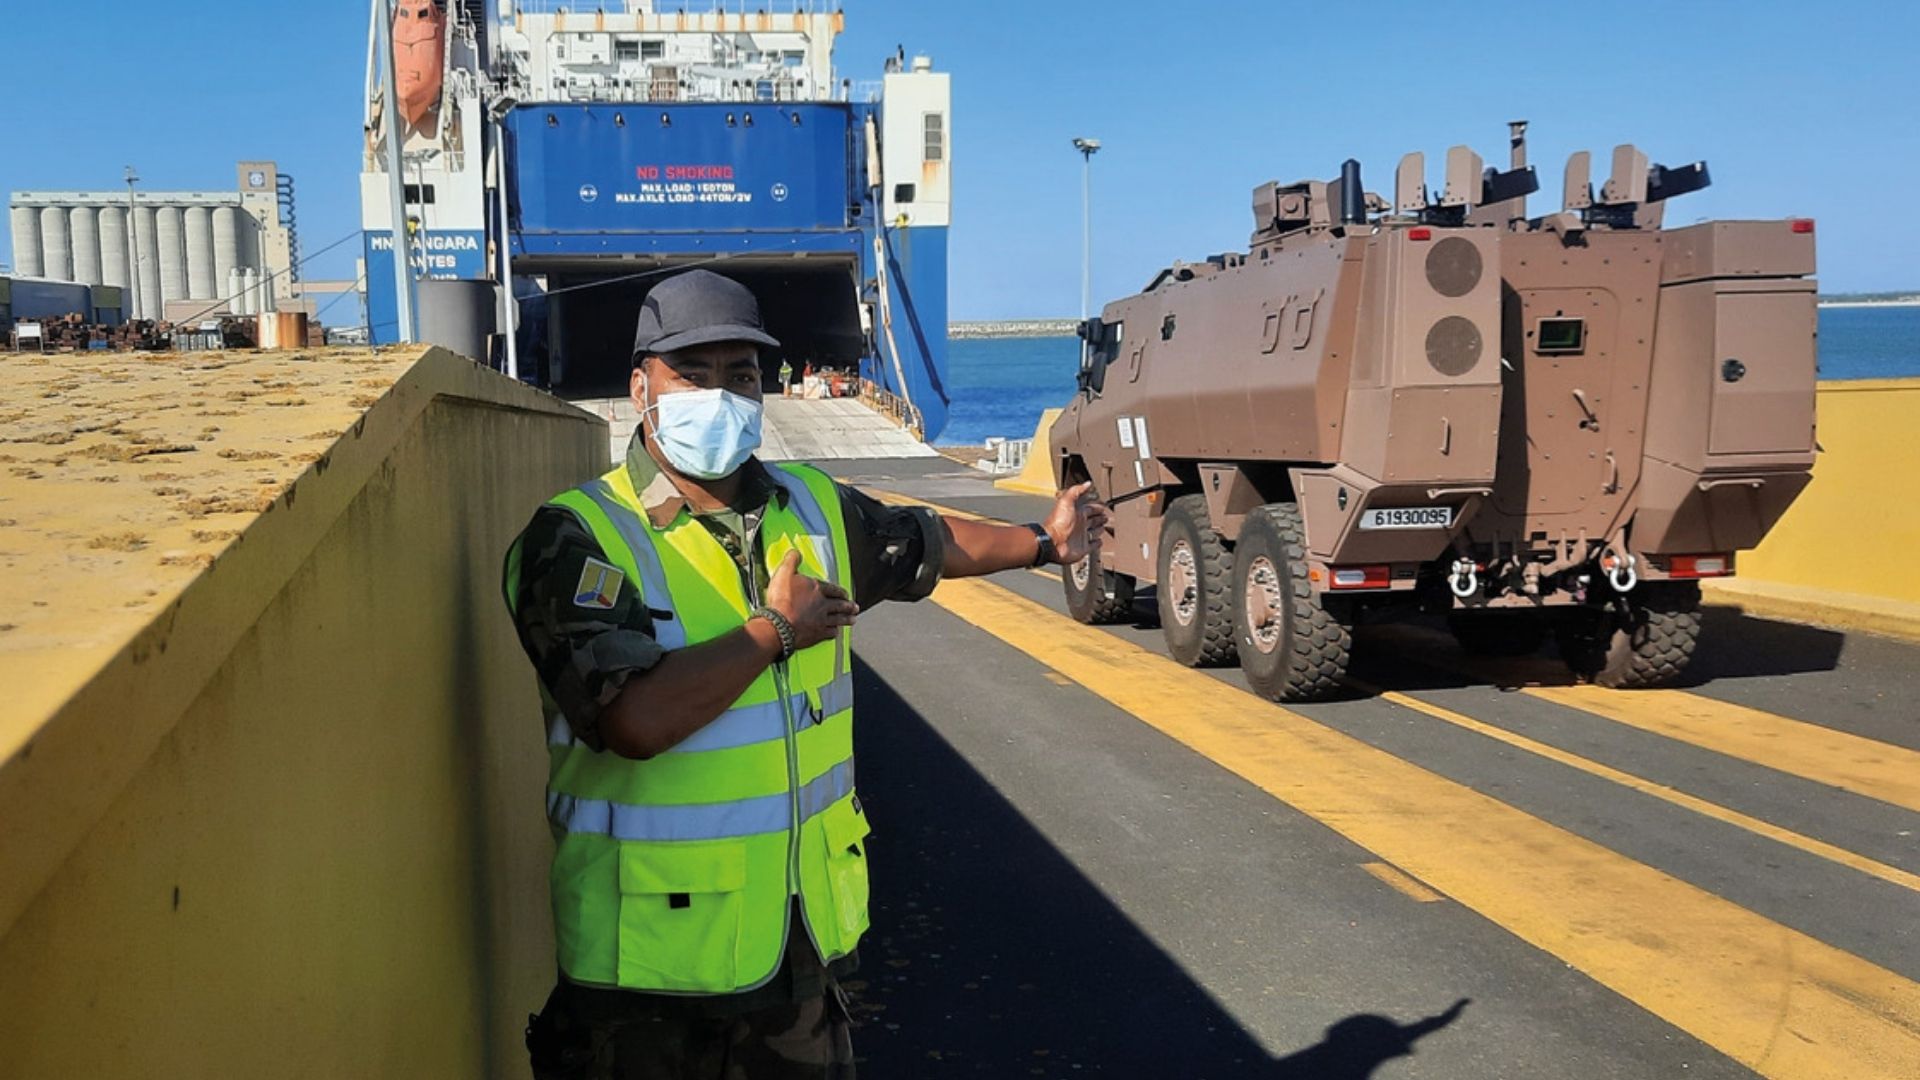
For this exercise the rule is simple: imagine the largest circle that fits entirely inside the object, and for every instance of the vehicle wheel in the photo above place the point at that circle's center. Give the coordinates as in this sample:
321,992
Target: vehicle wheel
1292,648
1195,581
1095,595
1505,633
1647,645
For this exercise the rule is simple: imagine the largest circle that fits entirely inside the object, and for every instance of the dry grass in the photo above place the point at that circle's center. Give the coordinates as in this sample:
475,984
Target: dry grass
120,541
199,559
225,503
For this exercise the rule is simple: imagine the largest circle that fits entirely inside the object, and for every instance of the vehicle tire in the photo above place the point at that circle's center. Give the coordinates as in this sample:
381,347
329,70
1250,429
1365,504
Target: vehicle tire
1504,633
1647,645
1292,647
1095,595
1194,585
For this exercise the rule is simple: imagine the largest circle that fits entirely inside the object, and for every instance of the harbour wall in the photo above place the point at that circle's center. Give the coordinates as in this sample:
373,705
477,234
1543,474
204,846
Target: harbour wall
1844,553
278,814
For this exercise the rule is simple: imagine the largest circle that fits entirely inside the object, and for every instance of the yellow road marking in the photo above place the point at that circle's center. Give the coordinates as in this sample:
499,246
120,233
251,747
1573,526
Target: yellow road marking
1867,767
894,498
1779,1001
1659,791
1057,679
1400,882
1849,762
1852,763
1877,770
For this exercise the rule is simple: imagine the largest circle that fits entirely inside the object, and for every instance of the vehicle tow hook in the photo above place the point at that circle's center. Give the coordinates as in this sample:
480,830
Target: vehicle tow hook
1465,578
1622,571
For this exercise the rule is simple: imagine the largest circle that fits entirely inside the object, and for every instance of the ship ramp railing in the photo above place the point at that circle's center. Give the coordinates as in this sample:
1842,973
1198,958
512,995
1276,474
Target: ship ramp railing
893,407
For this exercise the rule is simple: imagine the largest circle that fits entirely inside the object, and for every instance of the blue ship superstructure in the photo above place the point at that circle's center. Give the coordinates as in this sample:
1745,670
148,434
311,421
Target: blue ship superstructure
635,142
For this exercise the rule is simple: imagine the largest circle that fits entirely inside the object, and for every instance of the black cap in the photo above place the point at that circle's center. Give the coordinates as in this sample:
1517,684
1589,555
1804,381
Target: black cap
697,308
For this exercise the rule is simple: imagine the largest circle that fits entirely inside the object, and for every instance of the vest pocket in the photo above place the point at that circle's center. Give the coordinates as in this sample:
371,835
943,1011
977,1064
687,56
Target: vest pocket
680,914
845,830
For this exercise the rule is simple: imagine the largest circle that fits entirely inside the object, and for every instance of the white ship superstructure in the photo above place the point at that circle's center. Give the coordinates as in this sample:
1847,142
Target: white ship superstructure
613,144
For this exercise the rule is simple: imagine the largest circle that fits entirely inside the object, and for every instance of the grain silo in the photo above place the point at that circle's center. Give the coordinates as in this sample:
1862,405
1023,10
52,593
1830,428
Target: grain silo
226,242
200,282
172,253
83,232
56,252
173,250
26,242
115,257
147,269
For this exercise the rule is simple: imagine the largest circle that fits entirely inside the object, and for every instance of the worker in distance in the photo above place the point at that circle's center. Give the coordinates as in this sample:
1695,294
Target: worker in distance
689,617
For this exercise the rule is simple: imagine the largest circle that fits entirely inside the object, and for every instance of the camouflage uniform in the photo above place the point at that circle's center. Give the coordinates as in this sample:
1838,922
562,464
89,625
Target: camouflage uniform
796,1025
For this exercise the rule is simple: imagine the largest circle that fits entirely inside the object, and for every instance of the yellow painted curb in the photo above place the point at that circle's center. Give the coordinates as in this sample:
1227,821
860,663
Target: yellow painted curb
1037,477
1820,607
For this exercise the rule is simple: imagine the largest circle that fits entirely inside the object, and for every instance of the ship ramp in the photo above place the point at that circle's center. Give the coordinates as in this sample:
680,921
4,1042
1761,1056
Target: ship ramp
795,429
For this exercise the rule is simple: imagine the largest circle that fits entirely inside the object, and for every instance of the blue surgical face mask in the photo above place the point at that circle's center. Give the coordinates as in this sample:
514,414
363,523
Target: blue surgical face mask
705,434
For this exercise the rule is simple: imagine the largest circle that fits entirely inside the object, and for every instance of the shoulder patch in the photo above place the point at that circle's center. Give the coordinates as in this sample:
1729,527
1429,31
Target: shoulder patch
599,586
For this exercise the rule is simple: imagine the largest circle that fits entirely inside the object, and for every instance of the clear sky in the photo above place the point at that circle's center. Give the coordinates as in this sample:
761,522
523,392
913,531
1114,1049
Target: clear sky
1800,109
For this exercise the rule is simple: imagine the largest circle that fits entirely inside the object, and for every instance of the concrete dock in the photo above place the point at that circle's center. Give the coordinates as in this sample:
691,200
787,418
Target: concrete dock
271,768
1089,860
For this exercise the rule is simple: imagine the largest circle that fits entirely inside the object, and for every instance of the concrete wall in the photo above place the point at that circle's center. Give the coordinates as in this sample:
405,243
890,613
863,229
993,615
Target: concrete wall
1844,552
293,827
1843,555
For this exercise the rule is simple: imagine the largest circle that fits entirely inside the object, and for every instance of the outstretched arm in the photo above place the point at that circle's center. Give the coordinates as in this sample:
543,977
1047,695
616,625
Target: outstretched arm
976,547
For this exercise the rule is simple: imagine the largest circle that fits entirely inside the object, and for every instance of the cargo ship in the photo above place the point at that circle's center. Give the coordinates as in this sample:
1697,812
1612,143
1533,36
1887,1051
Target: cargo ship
558,163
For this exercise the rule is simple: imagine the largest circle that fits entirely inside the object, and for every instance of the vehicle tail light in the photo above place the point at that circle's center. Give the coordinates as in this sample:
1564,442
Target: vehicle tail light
1699,566
1424,233
1362,577
1802,225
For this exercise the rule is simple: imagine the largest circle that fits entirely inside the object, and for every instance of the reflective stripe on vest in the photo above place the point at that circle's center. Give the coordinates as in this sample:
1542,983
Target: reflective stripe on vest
673,874
698,821
747,724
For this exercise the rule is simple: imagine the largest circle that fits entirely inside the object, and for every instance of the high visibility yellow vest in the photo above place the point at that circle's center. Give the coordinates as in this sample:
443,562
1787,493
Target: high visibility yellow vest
675,874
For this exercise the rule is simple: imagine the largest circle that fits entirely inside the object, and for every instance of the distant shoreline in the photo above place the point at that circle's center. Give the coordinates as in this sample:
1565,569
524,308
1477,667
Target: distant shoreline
1013,328
1905,301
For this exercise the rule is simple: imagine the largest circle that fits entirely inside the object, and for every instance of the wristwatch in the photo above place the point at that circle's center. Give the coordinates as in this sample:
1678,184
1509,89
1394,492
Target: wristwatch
1048,553
782,627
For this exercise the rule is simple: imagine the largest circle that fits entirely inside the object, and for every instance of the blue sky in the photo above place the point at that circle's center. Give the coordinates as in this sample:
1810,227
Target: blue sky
1804,110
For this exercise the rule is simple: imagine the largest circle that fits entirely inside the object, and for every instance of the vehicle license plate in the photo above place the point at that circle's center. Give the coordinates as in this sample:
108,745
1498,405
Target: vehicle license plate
1408,517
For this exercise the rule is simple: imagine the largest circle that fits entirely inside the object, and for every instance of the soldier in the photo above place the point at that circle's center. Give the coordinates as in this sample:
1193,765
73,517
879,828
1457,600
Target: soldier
689,615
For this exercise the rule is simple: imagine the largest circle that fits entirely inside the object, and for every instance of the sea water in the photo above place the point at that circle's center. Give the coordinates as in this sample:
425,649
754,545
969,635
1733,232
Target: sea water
999,386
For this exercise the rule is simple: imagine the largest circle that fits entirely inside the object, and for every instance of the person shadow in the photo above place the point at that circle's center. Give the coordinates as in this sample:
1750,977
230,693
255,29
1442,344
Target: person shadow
992,954
1356,1046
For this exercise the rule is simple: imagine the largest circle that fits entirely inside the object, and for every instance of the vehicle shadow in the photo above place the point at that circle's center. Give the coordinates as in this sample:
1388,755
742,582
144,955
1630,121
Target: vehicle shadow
991,954
1736,645
1420,654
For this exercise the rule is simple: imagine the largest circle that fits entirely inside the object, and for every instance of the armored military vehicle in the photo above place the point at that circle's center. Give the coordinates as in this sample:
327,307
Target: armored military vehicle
1549,425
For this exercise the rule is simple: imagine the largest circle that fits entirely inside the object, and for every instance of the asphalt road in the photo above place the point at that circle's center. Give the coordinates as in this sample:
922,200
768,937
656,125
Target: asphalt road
1090,861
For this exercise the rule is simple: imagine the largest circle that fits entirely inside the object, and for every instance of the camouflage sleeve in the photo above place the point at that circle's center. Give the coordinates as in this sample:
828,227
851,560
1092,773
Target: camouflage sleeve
896,551
581,622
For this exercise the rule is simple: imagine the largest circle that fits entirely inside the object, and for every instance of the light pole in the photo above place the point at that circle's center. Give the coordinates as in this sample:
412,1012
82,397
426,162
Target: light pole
133,253
390,118
497,111
1087,148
